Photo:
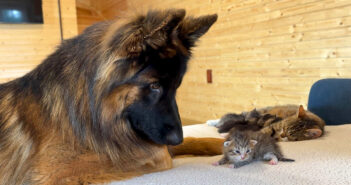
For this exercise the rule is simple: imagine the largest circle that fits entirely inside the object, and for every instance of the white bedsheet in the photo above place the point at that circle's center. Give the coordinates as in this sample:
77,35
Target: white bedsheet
326,160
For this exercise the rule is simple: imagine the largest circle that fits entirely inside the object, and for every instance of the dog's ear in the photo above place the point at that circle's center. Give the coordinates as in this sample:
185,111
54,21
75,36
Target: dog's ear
158,25
191,29
157,28
153,29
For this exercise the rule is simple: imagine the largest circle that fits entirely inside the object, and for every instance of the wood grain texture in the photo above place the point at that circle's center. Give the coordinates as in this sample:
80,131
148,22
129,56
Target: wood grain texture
88,13
24,46
261,52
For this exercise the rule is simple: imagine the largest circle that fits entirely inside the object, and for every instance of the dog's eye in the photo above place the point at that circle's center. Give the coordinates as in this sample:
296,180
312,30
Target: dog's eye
155,85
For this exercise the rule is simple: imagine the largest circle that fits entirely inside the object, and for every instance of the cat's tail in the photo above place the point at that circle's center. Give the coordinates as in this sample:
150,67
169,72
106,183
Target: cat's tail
286,159
198,146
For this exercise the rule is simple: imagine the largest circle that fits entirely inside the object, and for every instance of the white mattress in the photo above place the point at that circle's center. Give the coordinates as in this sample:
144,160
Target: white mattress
326,160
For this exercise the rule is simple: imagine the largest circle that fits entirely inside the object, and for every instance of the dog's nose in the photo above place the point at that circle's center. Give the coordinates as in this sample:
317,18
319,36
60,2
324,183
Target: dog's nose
174,138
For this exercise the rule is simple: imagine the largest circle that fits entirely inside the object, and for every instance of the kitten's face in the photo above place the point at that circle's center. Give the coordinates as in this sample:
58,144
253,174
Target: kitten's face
239,151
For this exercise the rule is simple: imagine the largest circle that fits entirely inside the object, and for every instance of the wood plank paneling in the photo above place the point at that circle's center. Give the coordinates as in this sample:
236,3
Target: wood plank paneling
86,18
24,46
88,13
261,52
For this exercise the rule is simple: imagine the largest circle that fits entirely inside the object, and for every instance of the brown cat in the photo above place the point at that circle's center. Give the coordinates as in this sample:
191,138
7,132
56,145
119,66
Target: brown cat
243,147
284,123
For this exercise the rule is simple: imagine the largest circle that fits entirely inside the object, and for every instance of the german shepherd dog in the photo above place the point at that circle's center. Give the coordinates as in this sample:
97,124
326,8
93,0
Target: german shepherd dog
102,107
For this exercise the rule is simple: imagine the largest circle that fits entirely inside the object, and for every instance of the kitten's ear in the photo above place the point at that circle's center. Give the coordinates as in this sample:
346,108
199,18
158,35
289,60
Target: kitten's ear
227,143
313,133
301,112
253,142
191,29
224,135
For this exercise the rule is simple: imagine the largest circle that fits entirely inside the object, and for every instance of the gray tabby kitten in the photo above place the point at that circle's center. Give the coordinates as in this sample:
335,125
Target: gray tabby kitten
243,147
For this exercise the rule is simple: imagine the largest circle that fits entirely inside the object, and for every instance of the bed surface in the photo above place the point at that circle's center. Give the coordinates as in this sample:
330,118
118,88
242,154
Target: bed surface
326,160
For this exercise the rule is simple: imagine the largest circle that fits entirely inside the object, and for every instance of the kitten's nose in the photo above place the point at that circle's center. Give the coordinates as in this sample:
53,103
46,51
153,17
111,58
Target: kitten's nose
243,156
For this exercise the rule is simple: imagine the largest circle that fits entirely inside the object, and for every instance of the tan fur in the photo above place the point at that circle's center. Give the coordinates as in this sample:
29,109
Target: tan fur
198,146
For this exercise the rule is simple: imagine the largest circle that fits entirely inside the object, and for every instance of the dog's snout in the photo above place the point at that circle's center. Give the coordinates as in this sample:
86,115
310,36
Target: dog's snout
174,138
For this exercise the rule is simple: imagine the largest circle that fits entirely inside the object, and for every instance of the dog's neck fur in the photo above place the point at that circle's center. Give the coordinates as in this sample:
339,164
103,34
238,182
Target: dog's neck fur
20,153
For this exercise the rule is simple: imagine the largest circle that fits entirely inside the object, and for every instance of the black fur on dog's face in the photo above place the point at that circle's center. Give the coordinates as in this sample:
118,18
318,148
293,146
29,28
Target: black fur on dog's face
155,114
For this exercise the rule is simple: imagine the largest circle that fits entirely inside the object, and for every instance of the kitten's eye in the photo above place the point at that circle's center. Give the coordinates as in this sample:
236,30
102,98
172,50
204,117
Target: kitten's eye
248,151
155,85
237,151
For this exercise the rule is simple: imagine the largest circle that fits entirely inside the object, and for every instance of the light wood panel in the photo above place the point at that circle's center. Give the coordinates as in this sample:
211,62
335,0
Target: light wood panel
261,52
24,46
115,8
86,18
88,13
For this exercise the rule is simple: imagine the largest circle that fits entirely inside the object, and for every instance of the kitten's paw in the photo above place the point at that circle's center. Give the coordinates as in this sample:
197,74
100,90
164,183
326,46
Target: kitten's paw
215,164
224,135
231,166
213,123
273,162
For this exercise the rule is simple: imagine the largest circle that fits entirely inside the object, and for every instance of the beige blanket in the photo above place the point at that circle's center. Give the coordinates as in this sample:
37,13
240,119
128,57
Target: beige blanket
326,160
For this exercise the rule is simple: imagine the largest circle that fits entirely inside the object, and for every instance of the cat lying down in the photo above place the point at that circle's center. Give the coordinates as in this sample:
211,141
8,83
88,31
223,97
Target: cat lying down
283,123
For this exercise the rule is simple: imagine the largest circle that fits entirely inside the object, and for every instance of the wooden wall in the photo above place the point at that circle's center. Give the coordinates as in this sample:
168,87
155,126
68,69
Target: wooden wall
24,46
114,8
92,11
88,13
262,52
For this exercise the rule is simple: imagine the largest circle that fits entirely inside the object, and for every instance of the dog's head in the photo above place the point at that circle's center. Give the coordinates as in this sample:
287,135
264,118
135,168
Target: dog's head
151,57
128,74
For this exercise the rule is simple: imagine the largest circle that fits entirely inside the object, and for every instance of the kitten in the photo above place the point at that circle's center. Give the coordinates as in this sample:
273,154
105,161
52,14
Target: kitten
243,147
284,123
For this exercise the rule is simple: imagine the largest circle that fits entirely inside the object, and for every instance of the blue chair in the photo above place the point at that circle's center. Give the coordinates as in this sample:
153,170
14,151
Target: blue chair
331,100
